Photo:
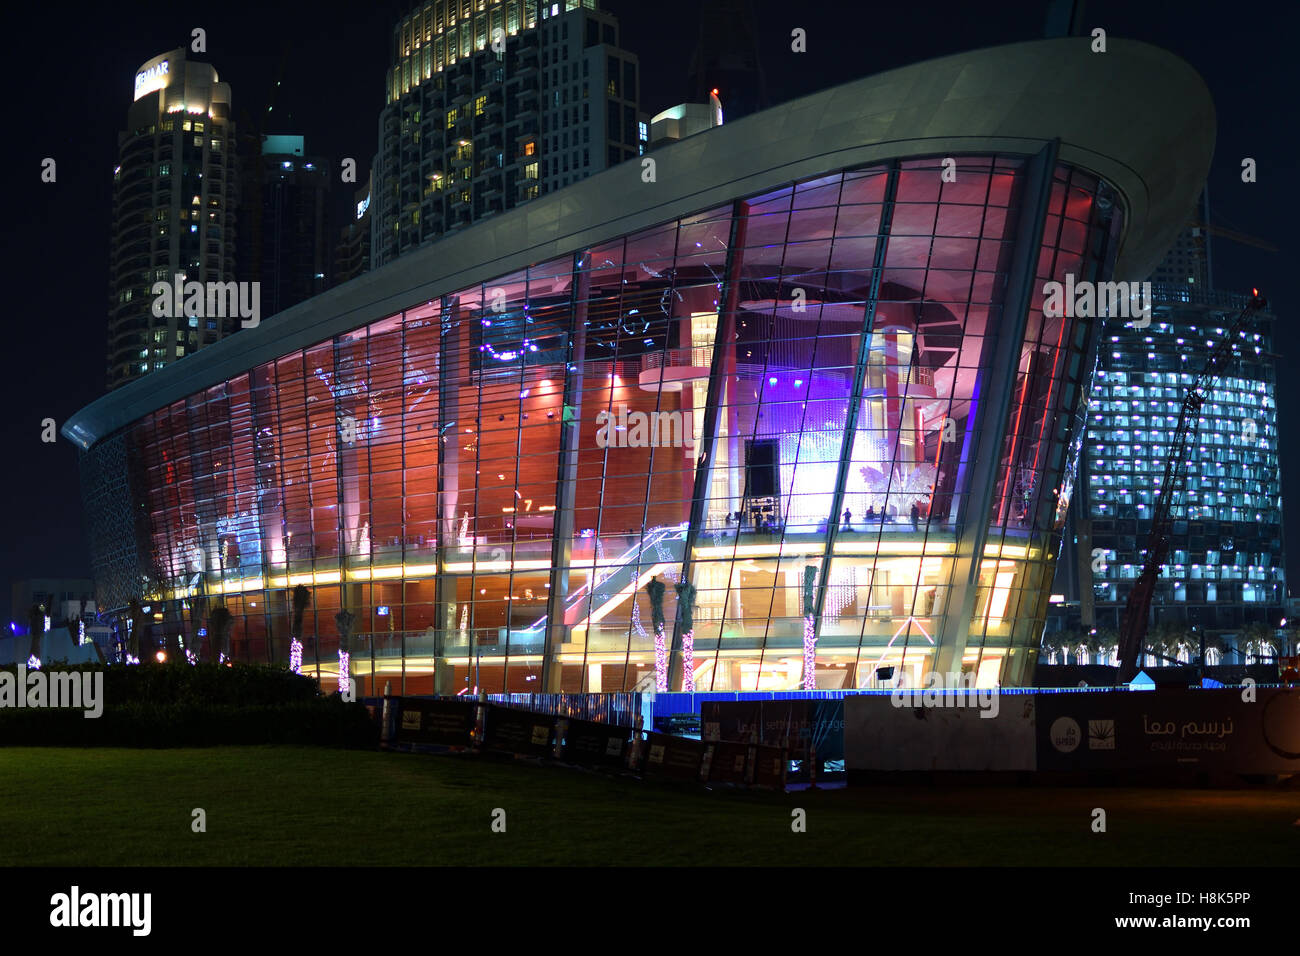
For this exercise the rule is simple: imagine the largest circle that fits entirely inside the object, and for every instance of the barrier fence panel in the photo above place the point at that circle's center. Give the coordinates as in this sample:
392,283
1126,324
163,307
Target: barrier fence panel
591,743
447,723
471,723
679,758
521,732
728,762
769,767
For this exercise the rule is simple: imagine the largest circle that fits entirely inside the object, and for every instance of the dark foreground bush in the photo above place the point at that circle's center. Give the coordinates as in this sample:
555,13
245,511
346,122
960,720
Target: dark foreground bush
180,705
235,684
326,721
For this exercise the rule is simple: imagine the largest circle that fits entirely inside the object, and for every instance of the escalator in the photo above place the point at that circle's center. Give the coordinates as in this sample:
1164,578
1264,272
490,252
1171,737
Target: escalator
661,549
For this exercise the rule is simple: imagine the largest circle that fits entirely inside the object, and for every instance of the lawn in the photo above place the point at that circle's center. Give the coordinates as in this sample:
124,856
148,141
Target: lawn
269,806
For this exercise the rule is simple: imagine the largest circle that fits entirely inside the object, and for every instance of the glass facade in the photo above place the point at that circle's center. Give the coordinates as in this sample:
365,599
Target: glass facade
1226,564
490,480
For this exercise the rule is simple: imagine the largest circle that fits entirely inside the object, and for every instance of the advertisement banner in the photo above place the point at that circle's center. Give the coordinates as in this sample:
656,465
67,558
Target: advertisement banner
446,723
518,732
803,723
589,743
669,756
769,767
1221,730
727,762
900,733
730,720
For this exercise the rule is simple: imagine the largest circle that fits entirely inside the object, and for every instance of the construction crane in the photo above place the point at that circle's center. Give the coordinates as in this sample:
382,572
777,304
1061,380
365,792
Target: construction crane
1233,235
1133,631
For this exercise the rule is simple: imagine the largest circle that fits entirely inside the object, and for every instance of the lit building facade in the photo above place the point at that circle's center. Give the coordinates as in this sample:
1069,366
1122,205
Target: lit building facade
804,381
294,234
352,250
470,129
1226,567
175,192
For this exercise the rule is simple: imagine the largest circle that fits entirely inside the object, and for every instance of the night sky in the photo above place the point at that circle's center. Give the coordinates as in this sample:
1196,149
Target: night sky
69,76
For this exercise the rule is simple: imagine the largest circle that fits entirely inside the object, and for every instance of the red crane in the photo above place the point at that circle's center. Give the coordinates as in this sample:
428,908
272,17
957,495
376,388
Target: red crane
1133,631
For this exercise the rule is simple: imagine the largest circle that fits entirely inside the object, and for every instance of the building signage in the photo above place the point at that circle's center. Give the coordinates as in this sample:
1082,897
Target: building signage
154,78
1202,730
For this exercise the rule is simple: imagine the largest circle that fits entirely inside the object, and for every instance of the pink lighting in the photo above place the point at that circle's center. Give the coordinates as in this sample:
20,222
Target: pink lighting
809,653
345,674
688,661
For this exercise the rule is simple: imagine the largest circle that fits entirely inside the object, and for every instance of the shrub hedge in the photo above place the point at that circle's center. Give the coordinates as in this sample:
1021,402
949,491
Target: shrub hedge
183,705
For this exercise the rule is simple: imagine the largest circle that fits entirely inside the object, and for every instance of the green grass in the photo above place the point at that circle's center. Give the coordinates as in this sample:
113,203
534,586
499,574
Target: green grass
269,806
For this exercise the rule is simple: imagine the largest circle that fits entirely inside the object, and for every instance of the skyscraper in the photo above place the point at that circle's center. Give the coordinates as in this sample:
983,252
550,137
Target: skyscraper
1187,263
295,249
726,59
174,197
1226,566
352,252
491,104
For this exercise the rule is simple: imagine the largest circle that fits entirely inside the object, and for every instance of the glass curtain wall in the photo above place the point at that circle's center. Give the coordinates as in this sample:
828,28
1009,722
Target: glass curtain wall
499,484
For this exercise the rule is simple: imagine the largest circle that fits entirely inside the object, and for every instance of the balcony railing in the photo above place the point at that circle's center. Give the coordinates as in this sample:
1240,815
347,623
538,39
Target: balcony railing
678,358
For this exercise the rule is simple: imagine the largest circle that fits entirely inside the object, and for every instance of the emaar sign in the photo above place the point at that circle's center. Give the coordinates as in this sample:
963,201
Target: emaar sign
154,78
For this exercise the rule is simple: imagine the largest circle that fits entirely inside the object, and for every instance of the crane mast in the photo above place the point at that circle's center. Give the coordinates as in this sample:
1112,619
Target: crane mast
1137,609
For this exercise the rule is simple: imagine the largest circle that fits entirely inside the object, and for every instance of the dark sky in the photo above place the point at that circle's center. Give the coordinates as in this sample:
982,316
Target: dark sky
69,73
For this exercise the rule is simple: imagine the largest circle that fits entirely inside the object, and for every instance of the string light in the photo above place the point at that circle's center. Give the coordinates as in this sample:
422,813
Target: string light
688,661
345,675
809,654
661,659
295,655
33,663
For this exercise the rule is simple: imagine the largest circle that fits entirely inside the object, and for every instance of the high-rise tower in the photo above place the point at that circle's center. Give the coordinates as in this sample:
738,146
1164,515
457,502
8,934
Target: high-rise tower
1226,566
491,103
295,236
174,196
726,59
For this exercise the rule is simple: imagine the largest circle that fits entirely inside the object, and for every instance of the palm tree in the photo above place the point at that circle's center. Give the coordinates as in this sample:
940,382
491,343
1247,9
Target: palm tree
1053,643
1106,639
1216,643
1259,637
301,600
136,622
220,622
1166,639
685,623
36,628
656,590
345,620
